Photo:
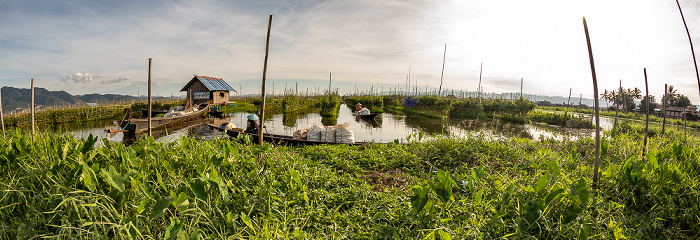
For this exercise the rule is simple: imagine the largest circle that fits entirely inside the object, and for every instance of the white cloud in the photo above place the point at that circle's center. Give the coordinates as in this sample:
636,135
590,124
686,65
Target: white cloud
80,78
117,80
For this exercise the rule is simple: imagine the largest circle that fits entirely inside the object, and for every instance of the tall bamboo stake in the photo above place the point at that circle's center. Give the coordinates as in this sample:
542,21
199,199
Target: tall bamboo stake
646,129
443,69
692,50
521,87
663,110
262,102
32,110
150,106
595,96
481,70
2,121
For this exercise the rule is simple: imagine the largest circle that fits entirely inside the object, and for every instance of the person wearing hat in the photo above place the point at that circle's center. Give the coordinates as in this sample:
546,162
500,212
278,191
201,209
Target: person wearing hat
358,107
252,124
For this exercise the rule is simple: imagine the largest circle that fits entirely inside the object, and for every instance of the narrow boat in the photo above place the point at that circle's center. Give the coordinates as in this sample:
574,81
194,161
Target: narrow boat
132,126
274,138
369,116
144,112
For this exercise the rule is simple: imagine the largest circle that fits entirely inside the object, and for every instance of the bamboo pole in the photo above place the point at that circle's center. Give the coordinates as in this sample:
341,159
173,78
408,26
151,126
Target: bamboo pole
264,78
443,70
521,87
150,107
481,69
2,120
663,110
646,129
32,110
595,96
692,50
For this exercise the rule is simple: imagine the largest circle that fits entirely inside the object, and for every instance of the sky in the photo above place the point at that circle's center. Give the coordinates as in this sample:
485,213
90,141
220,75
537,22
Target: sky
103,47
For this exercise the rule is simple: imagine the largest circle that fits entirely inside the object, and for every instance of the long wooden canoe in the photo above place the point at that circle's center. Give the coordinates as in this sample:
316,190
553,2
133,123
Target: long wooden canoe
140,125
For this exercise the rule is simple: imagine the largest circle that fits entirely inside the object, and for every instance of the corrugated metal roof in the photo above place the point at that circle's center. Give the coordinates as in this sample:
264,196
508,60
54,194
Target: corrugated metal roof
211,83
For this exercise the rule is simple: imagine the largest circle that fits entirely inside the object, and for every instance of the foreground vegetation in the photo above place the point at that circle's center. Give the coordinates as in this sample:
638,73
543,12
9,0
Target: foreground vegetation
479,187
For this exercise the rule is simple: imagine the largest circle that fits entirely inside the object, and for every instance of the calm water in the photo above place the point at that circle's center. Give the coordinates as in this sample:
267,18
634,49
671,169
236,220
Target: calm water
385,128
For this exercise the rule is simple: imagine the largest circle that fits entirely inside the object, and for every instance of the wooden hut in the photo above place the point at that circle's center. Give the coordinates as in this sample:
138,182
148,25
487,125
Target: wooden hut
208,90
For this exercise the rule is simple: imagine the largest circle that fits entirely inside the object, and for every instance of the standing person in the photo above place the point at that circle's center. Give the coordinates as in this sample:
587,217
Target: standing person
252,125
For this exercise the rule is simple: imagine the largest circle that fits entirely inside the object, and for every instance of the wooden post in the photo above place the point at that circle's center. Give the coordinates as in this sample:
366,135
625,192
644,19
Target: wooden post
692,50
262,102
568,102
32,110
595,96
521,87
481,69
663,110
2,121
149,97
646,129
443,70
330,82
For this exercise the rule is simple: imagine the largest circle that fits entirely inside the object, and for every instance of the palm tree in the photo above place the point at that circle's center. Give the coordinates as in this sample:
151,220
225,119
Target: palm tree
671,95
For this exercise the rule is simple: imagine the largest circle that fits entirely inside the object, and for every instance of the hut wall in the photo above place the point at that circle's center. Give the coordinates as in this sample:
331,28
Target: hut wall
219,97
198,93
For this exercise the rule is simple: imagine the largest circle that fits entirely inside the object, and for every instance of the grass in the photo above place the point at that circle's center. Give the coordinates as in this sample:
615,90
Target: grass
477,187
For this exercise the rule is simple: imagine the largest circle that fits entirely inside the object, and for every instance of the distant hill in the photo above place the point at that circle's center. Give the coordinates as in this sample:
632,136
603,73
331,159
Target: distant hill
13,98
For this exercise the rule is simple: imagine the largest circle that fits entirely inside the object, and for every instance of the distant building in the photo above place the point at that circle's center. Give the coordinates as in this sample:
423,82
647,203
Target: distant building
208,90
688,113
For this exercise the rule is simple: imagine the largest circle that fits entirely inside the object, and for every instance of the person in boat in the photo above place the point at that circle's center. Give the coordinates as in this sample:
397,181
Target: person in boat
359,110
252,126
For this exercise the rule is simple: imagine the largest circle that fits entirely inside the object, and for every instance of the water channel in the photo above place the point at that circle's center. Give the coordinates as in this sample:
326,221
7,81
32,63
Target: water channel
386,127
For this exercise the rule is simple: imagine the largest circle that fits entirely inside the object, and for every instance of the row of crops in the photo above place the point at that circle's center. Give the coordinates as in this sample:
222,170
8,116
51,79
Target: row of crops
478,187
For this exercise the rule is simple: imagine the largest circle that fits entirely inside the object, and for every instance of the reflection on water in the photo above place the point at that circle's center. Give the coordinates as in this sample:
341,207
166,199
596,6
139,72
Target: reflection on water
384,128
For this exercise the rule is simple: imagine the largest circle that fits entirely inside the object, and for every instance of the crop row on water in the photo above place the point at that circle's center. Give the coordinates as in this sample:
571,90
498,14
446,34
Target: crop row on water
65,115
477,187
630,115
564,119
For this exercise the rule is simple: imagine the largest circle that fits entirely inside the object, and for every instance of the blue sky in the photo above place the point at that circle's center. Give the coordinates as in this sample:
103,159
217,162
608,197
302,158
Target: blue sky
103,46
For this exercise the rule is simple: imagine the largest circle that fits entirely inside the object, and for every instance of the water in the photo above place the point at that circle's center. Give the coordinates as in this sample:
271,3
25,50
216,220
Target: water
386,127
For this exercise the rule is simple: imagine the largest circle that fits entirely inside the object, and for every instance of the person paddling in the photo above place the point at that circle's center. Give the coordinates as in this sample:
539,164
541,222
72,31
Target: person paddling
252,125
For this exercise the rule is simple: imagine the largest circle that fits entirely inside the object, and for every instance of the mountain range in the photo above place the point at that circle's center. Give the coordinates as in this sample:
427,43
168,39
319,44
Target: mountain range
13,98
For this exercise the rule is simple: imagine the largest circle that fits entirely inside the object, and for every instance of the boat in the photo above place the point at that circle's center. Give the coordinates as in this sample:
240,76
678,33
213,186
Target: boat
144,112
132,126
274,138
369,116
216,114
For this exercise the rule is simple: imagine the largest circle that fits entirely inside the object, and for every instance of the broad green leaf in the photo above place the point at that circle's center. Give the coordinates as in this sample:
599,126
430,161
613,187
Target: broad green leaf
216,161
582,191
181,202
114,178
554,195
89,178
198,189
543,182
478,195
444,235
247,221
532,212
419,198
88,144
196,235
159,207
172,230
145,202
